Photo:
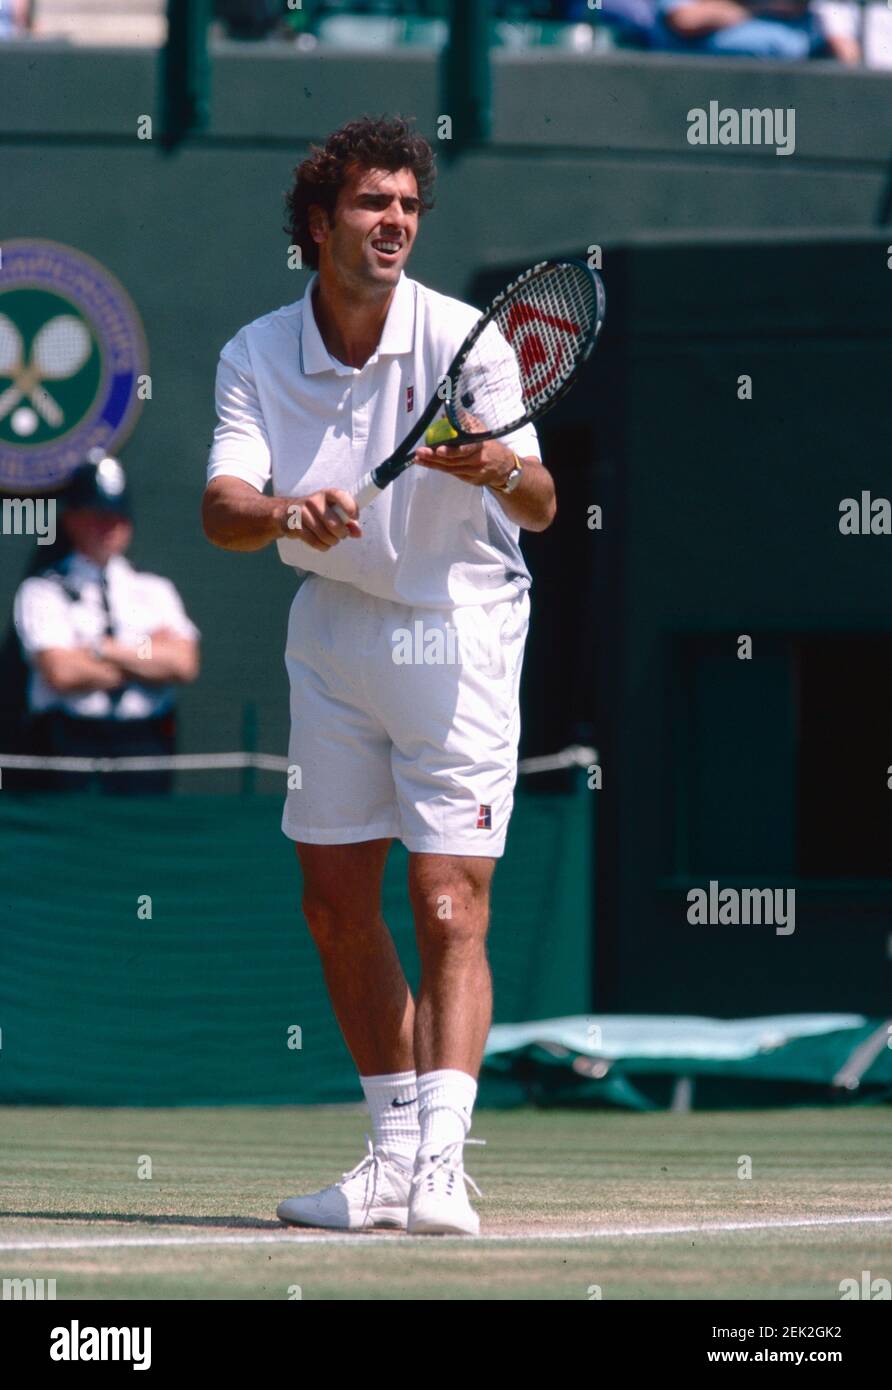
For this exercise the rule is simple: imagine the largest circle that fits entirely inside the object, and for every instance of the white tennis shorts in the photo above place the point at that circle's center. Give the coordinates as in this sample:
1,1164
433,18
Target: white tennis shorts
404,721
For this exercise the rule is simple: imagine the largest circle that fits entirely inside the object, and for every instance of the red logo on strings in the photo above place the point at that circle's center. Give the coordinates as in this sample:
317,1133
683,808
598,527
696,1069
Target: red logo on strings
531,349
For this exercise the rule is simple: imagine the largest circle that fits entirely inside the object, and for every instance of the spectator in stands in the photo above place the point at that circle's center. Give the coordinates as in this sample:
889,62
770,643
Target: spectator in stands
15,18
105,643
632,21
782,29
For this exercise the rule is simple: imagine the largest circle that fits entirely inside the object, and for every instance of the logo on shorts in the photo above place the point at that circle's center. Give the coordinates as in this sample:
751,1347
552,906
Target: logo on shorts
72,351
410,399
484,818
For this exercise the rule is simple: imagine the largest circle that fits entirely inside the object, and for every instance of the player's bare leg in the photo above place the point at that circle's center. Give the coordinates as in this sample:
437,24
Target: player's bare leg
450,899
373,1005
369,993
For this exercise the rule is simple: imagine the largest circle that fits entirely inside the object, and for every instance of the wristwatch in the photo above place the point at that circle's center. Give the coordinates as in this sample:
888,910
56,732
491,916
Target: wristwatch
513,477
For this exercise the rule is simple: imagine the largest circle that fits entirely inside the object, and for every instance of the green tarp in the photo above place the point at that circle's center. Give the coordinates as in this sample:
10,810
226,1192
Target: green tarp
101,1004
647,1063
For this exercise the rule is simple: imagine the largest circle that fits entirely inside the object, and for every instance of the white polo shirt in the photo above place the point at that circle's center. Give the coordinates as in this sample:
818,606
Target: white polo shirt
293,415
65,609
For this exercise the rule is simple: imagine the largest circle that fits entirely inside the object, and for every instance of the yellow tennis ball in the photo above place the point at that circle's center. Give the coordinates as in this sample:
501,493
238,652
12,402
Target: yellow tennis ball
440,432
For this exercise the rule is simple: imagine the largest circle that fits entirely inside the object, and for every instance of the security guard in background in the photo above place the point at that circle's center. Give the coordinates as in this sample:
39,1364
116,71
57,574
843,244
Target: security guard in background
105,643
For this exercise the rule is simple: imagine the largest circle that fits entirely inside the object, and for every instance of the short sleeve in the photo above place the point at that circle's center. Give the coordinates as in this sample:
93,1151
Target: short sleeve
524,442
241,444
169,610
498,361
42,616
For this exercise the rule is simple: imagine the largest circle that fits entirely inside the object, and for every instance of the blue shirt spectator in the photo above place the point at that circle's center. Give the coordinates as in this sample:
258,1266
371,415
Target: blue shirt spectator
782,29
15,18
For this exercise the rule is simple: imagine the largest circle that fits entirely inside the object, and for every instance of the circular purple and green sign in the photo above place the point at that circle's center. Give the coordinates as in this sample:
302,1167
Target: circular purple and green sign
72,351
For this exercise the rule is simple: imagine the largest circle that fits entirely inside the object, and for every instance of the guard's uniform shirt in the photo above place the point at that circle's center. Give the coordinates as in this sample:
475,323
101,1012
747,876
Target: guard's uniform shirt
75,604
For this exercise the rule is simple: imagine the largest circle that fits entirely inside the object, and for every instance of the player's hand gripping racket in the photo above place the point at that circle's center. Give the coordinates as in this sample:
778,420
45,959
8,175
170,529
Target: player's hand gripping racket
521,356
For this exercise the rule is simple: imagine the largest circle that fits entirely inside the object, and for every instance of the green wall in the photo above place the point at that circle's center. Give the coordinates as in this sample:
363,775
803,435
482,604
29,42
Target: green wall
728,516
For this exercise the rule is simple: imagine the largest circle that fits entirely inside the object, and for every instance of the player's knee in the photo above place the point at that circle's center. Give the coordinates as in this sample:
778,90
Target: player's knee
451,939
330,916
450,918
325,916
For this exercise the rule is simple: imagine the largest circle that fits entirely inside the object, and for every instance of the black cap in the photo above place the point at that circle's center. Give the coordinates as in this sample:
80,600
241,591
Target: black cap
100,484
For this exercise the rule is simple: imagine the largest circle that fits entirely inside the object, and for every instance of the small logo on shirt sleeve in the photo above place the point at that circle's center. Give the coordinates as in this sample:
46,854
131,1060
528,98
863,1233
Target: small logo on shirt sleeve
410,399
484,818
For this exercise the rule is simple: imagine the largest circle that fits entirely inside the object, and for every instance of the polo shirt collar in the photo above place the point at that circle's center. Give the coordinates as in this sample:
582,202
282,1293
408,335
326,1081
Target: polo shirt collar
397,336
82,569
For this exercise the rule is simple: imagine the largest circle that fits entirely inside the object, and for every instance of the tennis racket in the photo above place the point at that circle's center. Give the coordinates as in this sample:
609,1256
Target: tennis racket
522,355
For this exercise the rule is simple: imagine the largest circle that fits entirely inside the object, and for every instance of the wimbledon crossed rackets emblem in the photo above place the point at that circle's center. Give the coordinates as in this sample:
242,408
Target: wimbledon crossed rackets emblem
72,350
60,349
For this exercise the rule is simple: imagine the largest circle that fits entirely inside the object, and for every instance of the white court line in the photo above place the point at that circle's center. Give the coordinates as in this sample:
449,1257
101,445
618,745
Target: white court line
289,1237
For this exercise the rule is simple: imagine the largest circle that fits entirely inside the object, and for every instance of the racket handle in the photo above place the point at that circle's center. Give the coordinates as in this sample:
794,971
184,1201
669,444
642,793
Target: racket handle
440,432
365,493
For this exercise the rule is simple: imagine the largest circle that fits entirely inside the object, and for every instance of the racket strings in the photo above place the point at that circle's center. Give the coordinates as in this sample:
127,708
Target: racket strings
549,330
528,352
488,393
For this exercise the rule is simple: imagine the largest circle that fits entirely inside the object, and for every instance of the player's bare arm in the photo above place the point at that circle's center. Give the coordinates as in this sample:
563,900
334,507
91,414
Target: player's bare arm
236,516
532,505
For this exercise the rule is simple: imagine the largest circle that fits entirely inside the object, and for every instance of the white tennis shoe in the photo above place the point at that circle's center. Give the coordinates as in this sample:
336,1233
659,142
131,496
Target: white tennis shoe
438,1205
374,1193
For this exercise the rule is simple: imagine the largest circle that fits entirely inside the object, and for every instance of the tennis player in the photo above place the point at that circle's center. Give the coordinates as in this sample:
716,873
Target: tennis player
404,652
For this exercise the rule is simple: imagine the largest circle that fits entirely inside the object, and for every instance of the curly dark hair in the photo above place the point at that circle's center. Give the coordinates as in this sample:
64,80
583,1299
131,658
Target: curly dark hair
380,142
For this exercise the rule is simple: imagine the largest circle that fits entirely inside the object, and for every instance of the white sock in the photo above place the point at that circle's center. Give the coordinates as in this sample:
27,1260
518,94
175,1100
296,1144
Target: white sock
445,1101
393,1101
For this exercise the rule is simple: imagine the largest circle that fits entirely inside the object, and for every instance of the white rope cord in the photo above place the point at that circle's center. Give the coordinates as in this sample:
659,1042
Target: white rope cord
577,755
574,756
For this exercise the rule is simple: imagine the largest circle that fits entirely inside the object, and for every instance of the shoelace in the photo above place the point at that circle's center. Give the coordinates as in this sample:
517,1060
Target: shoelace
371,1167
446,1158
